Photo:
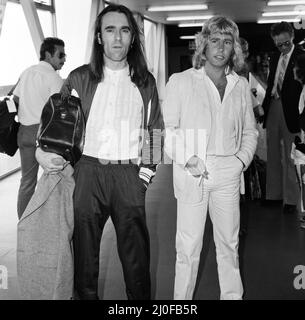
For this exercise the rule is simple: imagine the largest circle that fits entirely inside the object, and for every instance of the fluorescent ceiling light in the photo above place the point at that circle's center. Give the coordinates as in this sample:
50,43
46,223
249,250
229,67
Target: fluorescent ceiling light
179,8
286,3
188,18
185,25
277,20
283,13
187,37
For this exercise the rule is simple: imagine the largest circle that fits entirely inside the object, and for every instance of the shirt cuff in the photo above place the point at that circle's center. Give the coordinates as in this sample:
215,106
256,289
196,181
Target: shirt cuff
146,174
241,161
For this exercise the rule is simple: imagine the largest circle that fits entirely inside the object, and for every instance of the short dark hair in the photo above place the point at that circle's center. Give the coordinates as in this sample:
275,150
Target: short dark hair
135,57
48,45
300,67
281,27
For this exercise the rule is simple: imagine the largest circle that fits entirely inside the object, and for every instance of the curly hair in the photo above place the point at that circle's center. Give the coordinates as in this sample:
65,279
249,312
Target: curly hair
223,25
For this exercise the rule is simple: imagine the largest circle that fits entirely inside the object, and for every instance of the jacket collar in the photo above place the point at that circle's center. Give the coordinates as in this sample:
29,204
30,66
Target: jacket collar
232,76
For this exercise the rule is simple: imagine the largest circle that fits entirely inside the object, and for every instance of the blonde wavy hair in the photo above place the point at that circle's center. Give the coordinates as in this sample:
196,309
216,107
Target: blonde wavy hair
223,25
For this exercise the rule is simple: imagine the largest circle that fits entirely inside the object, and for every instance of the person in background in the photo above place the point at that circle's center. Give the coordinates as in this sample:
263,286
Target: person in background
211,138
299,75
36,84
281,119
245,72
252,186
123,145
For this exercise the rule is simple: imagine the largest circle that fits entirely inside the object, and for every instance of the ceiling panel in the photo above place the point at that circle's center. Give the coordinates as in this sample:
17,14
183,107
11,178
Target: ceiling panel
238,10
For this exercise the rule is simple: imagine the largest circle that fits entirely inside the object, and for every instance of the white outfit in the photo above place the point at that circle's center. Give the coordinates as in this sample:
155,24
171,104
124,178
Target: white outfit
37,83
191,99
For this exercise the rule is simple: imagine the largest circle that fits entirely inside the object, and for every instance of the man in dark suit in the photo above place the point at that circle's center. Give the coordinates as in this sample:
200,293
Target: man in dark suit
281,118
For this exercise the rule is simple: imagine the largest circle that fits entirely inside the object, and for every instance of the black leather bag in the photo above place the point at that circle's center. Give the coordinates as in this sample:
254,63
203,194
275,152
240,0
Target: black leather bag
8,129
62,127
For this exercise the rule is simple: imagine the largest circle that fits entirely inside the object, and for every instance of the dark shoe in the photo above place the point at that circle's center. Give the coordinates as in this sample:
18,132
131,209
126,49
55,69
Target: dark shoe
290,208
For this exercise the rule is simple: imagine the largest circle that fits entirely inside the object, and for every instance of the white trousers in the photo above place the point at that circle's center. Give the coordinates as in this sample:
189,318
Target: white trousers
221,197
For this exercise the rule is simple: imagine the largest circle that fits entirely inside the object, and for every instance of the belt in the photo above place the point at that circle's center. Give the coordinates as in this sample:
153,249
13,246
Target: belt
126,161
108,161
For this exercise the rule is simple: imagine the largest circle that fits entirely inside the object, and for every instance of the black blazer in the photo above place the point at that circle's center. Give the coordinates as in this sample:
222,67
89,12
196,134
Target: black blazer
291,91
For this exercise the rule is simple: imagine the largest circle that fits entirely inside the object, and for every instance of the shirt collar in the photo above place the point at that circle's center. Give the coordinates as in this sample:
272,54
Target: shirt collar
289,53
46,64
109,72
231,76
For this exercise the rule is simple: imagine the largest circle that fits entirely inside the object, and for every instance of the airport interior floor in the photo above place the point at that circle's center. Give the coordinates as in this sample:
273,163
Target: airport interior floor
273,246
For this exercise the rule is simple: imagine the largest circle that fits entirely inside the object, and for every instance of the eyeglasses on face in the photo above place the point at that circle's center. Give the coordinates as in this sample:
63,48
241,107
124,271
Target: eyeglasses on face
61,55
283,44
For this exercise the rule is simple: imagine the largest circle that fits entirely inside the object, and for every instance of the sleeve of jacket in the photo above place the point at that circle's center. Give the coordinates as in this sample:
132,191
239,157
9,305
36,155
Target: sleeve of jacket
175,145
66,87
249,132
152,151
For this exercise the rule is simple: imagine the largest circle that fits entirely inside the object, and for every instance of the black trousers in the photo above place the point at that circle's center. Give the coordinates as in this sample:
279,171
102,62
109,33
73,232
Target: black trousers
115,190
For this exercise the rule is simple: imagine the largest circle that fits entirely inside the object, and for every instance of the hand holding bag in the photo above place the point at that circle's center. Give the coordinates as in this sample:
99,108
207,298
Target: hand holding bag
62,127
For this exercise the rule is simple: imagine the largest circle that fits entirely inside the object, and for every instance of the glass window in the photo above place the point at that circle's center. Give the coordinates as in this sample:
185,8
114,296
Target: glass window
16,54
17,48
46,2
46,21
72,28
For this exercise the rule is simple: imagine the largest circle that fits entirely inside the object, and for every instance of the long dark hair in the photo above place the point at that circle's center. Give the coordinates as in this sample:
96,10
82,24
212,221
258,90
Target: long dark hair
135,57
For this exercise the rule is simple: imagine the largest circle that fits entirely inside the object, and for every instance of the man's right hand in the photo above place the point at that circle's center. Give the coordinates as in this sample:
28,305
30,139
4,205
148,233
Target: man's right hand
51,163
196,167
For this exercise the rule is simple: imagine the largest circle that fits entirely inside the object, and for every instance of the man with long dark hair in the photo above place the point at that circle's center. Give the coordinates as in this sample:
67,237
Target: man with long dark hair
122,147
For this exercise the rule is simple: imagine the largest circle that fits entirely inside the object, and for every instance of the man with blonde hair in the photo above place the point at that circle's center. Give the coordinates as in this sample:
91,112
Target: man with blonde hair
211,104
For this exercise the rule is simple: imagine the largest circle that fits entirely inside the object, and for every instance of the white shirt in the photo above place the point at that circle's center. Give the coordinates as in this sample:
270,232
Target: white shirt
37,83
273,92
222,140
115,118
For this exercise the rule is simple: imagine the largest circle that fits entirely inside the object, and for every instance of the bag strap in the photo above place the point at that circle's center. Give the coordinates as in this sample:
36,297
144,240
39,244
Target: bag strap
13,88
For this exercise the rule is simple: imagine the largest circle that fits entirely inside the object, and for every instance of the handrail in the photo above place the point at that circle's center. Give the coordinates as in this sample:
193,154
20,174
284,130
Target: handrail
9,173
4,90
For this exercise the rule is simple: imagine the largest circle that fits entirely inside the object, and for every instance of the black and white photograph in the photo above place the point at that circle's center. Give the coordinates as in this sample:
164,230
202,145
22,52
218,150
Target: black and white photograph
152,153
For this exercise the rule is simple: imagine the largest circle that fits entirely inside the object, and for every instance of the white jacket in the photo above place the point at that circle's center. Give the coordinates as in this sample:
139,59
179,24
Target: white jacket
187,117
